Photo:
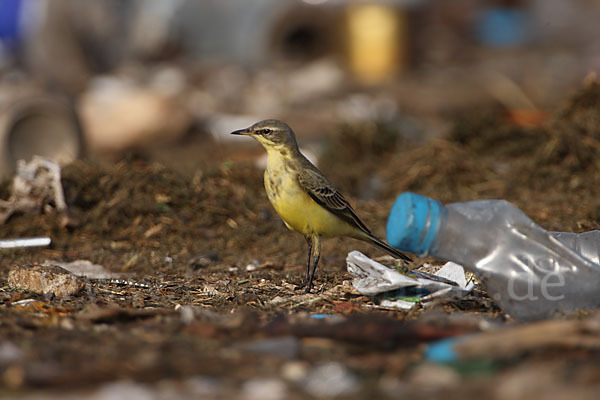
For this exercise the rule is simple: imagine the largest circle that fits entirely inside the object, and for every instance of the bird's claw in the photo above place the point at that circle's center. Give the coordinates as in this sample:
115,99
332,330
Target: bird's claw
307,287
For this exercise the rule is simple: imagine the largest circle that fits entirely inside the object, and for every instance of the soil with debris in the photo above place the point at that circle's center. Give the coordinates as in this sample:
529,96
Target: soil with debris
206,303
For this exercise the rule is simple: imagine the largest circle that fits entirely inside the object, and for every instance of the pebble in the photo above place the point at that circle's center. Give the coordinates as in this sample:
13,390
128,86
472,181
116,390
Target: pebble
264,389
331,380
284,346
45,280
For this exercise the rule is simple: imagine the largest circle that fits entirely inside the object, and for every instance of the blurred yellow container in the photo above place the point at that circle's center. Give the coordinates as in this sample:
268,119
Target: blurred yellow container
376,41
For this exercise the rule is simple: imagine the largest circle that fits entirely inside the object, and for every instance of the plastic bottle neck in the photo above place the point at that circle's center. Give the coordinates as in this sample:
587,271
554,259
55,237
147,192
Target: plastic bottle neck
414,223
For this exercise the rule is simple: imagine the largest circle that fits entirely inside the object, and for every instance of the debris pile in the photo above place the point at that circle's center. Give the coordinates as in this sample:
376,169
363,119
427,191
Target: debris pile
36,187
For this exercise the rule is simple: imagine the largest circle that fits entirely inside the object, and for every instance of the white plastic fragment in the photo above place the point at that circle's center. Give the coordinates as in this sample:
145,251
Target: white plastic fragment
36,184
14,243
400,304
85,268
372,278
454,273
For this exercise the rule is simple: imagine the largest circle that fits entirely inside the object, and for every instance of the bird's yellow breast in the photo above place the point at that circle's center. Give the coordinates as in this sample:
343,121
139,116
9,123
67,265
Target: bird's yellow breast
297,209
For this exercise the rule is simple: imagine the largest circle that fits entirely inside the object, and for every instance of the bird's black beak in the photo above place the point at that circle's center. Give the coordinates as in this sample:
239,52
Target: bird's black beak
242,132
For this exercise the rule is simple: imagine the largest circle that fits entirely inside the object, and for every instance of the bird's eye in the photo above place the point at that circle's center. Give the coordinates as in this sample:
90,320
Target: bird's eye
266,131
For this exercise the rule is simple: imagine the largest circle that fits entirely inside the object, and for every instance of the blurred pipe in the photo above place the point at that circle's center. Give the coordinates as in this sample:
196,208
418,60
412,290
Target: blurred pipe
36,241
42,125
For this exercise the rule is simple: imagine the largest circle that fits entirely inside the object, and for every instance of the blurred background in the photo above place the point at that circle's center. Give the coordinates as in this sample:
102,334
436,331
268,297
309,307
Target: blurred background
107,77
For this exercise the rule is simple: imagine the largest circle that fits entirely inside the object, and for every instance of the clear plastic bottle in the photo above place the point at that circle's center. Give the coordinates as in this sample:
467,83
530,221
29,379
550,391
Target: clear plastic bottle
530,272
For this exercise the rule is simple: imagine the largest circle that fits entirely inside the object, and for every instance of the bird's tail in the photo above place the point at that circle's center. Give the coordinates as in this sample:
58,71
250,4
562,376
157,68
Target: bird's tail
389,249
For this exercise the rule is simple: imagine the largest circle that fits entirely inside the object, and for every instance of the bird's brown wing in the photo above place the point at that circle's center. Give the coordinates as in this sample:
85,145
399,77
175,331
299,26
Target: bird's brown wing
324,194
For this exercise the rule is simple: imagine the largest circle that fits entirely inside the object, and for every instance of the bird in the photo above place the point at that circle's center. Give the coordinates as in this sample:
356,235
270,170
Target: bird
304,199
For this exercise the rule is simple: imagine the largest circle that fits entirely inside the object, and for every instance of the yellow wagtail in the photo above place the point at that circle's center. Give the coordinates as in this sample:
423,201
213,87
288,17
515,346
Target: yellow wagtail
303,197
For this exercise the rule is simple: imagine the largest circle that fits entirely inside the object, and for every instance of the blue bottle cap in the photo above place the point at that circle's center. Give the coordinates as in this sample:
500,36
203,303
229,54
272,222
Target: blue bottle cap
413,223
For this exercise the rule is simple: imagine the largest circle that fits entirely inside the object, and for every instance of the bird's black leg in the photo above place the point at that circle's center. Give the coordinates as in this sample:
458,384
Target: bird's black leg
308,263
315,246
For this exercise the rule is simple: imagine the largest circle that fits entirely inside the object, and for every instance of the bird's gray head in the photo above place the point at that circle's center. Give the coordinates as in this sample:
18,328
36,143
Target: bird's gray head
271,133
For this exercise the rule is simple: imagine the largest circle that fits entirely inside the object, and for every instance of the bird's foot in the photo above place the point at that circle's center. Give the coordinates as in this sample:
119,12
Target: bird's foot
307,287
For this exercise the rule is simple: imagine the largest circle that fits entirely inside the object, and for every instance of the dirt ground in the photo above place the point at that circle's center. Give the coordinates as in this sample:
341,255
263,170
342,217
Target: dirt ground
207,308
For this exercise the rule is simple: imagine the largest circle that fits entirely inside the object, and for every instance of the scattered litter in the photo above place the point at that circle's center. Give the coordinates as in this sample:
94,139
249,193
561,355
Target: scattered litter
398,303
24,302
264,389
36,241
397,290
283,346
454,273
36,186
123,282
45,280
503,344
330,380
84,268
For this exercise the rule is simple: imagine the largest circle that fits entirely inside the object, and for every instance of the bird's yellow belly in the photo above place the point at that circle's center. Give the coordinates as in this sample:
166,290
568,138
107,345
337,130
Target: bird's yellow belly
299,211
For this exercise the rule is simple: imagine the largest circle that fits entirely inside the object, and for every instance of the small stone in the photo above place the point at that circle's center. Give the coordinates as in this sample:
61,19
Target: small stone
187,314
45,280
284,346
331,380
66,324
294,371
264,389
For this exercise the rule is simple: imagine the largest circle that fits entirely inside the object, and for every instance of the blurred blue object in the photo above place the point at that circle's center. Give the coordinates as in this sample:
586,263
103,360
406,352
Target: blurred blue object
503,27
442,351
10,16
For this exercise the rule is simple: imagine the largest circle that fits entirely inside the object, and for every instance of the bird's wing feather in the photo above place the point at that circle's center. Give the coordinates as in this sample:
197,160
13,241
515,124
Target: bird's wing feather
324,194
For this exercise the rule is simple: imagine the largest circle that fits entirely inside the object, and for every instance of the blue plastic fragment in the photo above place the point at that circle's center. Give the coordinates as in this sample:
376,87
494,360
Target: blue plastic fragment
321,316
442,351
